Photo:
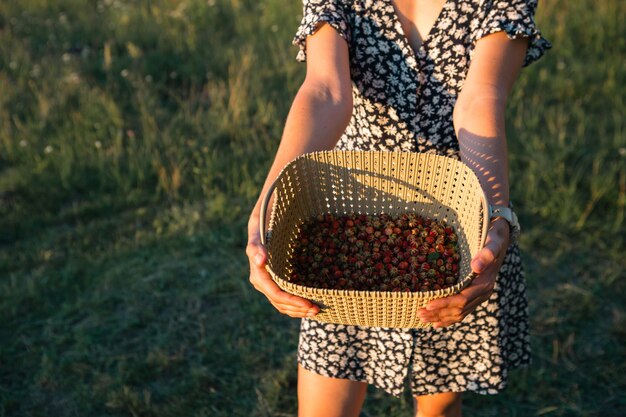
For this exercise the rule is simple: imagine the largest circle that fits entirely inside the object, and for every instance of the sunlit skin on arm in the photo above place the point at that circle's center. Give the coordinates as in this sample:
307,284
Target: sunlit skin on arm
480,128
318,116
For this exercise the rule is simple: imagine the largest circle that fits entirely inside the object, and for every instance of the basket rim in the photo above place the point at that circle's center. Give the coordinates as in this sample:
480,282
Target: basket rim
455,289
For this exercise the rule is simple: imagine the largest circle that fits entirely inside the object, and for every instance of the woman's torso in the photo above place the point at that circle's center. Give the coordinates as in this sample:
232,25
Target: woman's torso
404,98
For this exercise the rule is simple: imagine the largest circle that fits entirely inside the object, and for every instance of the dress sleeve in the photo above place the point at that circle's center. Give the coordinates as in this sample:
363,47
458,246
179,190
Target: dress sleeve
516,19
333,12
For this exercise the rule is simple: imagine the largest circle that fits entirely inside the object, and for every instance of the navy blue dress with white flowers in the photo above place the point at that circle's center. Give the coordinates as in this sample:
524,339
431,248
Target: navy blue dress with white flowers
403,101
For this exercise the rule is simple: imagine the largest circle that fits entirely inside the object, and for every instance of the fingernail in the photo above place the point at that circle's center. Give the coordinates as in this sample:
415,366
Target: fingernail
258,259
311,312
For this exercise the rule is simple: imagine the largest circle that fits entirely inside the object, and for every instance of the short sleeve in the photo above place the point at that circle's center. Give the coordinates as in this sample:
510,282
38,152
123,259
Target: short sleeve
516,19
333,12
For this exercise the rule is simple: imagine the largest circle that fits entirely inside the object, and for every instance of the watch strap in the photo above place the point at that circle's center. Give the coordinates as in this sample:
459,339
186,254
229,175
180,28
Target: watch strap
509,215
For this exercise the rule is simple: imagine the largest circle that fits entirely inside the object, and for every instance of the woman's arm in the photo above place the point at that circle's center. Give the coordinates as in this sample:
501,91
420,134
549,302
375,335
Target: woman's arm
480,128
319,115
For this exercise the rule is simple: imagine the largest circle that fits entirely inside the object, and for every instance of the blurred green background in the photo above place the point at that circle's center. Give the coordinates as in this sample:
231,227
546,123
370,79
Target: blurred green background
134,139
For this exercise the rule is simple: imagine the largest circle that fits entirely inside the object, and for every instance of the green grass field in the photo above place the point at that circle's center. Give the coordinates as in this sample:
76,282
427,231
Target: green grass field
134,138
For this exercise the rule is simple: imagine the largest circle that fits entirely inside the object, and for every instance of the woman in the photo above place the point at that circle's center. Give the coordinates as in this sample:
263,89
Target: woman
417,76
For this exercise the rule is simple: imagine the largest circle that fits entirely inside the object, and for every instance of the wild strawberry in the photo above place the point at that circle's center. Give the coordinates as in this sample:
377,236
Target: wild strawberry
362,249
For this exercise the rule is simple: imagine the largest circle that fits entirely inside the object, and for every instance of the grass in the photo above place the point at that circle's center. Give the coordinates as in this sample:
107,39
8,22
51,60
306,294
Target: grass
134,138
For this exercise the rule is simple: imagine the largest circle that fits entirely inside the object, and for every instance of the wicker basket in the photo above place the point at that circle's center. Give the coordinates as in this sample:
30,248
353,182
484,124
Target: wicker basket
373,182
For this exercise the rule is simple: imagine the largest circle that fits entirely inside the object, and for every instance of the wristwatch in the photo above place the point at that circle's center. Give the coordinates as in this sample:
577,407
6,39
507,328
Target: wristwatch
509,215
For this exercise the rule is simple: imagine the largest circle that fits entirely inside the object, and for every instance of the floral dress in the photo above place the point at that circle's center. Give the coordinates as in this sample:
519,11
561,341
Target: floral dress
403,101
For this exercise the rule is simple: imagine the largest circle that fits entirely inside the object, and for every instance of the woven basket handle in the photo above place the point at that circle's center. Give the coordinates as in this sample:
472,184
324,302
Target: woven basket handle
264,204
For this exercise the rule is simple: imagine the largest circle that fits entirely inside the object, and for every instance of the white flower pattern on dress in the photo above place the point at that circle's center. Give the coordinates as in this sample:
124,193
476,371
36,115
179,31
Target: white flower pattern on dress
403,101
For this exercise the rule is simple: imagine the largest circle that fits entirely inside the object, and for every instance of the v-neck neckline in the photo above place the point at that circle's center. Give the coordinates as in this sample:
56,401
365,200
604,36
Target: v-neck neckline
405,40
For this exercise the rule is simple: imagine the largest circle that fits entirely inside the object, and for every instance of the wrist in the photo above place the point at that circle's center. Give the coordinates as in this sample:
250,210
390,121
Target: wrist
253,220
501,228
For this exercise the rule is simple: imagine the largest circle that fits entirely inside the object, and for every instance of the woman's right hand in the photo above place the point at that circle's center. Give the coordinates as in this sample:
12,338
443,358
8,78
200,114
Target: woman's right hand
286,303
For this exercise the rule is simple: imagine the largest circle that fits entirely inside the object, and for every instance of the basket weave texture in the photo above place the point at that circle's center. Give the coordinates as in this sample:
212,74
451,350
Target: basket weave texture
372,182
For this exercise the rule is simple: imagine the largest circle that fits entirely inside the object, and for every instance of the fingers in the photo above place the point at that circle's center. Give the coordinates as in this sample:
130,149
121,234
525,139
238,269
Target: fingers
284,302
453,309
455,315
445,310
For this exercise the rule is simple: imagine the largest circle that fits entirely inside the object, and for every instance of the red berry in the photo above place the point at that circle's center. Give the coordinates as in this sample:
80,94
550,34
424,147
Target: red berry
358,251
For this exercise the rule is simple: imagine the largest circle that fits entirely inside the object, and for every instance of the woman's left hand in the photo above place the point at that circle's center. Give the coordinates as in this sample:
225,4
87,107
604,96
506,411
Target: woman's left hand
445,311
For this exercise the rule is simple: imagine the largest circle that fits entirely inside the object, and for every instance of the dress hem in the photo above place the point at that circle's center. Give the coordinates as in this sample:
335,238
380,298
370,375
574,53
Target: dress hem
370,381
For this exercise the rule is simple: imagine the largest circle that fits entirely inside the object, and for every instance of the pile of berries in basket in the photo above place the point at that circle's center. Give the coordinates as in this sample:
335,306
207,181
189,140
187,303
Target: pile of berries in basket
375,253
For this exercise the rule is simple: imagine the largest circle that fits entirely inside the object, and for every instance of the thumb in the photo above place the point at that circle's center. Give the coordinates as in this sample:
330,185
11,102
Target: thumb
485,257
256,252
260,257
